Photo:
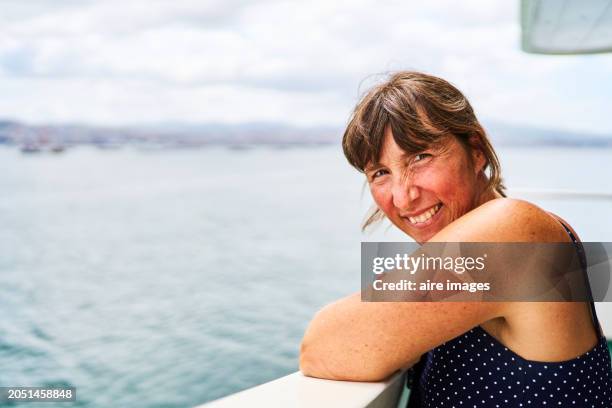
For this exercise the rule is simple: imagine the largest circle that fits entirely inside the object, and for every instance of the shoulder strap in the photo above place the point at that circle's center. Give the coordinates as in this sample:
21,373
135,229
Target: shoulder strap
583,263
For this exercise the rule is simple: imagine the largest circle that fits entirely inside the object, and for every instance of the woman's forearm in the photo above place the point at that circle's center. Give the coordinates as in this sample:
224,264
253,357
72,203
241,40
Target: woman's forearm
369,341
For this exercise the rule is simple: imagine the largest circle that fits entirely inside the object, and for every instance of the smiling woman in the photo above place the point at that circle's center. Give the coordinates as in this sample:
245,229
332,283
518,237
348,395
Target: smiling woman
427,129
434,174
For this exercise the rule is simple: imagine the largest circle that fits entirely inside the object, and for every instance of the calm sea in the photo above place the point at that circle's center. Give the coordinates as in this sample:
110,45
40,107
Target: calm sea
174,277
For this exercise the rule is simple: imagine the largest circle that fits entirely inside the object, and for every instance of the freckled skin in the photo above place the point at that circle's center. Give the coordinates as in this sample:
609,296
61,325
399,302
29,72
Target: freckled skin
409,185
368,341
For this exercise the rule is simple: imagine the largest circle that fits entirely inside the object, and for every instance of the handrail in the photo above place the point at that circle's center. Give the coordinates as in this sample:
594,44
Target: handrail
571,194
297,390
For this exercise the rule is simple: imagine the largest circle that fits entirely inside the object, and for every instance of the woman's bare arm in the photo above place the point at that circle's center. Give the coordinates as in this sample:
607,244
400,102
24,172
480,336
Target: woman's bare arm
351,340
368,341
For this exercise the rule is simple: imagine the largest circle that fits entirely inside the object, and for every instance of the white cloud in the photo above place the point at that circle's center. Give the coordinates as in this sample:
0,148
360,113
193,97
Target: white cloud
139,61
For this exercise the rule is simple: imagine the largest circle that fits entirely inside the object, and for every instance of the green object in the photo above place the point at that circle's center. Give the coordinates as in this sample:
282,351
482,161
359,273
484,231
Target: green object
566,27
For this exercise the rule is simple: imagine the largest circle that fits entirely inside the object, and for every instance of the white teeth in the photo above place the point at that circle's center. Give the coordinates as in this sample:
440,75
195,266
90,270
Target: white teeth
425,215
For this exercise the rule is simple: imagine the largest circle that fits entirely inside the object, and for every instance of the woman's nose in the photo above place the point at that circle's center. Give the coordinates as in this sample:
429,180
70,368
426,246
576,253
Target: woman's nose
404,194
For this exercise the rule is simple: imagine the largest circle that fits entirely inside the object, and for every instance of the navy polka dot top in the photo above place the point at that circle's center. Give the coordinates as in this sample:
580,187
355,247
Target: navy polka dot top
476,370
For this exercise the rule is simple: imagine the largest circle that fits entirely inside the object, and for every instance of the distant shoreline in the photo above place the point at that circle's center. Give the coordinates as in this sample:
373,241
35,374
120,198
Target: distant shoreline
56,138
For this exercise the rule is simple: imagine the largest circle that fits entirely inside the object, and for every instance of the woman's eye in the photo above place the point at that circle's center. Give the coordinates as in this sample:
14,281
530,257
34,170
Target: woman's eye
379,173
421,156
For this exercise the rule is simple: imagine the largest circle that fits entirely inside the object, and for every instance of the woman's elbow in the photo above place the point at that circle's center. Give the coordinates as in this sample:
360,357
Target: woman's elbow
328,352
310,364
312,350
307,366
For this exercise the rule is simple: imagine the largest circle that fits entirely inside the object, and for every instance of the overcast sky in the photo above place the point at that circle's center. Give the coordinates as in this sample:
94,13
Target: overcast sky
298,62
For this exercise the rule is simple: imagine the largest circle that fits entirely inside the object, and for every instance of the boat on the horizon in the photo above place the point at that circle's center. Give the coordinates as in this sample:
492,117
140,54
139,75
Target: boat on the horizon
30,147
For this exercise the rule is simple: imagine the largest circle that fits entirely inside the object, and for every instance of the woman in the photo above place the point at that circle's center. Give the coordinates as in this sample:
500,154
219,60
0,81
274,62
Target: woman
434,174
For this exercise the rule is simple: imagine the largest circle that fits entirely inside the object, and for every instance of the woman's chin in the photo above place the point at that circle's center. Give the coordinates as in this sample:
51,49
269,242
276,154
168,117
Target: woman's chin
424,237
420,236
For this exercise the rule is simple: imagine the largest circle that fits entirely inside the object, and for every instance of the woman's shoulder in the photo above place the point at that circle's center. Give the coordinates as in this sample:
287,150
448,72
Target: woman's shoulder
505,220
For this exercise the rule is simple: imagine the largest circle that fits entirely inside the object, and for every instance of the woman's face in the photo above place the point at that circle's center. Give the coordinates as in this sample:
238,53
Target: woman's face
422,193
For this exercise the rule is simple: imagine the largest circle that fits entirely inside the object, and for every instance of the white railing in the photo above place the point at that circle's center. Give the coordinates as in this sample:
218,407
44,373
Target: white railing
296,390
561,194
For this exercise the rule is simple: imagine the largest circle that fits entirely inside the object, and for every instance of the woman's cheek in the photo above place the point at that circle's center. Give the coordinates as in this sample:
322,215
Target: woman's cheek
382,197
432,187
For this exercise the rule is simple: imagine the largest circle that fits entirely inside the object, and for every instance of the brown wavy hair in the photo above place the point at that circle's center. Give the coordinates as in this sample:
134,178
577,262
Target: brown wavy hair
420,109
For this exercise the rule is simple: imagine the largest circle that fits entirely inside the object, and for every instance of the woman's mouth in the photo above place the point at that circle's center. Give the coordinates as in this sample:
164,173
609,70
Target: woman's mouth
426,217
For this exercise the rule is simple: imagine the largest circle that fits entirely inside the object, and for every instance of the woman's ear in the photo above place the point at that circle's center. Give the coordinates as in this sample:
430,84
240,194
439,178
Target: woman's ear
478,158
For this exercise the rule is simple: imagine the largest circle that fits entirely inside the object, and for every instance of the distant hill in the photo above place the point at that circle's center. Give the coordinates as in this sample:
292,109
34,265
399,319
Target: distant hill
517,135
173,135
